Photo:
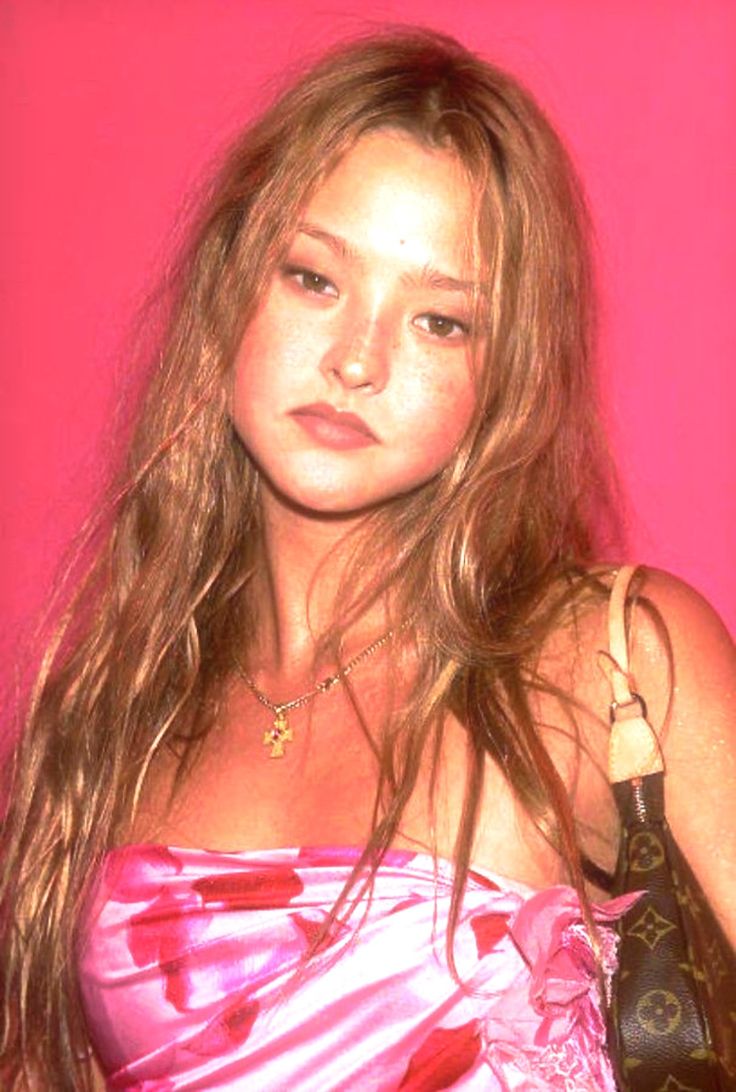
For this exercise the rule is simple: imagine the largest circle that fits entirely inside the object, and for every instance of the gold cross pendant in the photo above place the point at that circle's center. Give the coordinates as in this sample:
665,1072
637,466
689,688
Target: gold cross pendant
278,735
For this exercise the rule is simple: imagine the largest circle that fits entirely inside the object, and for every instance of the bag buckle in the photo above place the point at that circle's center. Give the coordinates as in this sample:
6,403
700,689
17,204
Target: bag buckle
635,706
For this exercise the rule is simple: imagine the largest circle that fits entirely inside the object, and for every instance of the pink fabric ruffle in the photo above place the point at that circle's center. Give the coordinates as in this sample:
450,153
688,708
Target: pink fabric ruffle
560,1045
192,974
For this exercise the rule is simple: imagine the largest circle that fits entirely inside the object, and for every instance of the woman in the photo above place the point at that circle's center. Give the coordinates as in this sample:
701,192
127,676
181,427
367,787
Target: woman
368,457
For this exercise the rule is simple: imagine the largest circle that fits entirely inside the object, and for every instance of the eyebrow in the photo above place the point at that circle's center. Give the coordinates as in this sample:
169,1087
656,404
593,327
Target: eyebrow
427,277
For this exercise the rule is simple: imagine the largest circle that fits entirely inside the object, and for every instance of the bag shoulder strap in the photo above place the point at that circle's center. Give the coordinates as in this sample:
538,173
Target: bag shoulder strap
634,750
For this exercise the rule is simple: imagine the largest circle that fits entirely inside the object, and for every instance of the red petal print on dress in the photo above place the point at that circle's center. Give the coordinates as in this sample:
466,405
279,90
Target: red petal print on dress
406,904
135,873
176,989
229,1029
200,975
488,929
326,856
166,929
313,931
251,890
483,881
443,1058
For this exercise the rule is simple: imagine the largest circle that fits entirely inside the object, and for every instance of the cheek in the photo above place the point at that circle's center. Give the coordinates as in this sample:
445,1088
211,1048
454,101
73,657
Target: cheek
240,392
278,359
260,365
249,387
441,408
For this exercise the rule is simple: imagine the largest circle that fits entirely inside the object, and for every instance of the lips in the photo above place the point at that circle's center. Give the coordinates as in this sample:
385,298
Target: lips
333,425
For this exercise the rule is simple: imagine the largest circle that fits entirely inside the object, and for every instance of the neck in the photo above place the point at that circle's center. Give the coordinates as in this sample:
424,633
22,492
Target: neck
296,594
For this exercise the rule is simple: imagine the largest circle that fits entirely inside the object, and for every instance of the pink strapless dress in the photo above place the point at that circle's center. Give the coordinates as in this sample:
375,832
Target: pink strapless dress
188,960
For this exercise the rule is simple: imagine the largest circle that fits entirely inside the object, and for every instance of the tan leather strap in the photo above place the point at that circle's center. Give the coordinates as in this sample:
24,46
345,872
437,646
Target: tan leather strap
633,749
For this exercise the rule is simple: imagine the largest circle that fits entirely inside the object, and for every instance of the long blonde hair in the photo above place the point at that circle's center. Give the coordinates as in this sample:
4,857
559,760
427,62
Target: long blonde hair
485,557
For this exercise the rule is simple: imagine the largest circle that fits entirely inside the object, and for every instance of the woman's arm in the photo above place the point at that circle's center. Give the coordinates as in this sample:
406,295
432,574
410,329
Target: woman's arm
690,689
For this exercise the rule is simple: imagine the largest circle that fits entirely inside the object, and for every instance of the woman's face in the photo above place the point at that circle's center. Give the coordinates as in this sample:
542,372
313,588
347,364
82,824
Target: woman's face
354,382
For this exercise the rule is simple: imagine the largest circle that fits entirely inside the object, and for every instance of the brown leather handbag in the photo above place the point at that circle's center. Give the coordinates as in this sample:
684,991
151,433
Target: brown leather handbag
672,1025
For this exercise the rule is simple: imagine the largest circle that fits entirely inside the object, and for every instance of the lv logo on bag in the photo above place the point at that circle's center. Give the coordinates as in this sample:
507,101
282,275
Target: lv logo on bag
674,1013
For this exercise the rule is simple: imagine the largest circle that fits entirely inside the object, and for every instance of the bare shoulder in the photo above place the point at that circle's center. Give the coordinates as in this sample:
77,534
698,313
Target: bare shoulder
685,612
684,662
682,656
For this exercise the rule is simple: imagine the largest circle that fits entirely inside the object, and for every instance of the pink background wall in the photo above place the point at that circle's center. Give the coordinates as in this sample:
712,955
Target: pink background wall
110,109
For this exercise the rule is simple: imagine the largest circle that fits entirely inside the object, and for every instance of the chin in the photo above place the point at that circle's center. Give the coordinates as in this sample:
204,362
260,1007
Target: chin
322,503
314,491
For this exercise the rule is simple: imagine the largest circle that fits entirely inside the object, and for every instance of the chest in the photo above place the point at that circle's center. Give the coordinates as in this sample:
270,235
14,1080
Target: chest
194,974
322,790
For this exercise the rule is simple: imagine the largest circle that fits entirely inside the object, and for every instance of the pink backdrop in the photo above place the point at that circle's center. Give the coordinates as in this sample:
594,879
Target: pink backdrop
110,109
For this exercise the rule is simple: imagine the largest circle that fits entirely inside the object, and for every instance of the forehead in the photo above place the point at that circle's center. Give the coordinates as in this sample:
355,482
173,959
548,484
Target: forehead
391,194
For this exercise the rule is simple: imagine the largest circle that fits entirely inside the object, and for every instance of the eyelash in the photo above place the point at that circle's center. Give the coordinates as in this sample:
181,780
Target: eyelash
300,274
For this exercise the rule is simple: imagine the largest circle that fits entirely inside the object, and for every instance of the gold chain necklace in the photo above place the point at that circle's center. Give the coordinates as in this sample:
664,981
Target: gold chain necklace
280,732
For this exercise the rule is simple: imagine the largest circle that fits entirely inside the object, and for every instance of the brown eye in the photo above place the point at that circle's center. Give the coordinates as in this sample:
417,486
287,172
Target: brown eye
442,327
310,281
314,282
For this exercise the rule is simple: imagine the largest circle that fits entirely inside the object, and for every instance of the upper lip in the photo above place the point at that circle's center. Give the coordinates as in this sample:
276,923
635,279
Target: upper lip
331,413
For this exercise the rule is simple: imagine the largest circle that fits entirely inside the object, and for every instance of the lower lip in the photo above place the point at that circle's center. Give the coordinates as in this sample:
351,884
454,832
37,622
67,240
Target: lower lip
332,433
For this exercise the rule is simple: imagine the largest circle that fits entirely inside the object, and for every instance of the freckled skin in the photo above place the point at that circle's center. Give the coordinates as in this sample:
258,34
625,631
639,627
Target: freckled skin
360,327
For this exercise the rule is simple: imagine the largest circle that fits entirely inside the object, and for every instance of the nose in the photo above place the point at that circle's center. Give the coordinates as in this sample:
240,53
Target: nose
359,356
